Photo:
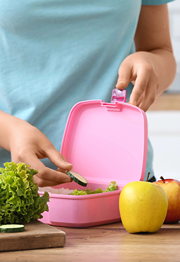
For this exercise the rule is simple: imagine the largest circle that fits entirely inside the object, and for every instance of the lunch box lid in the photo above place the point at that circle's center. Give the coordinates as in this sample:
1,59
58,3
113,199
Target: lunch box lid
106,141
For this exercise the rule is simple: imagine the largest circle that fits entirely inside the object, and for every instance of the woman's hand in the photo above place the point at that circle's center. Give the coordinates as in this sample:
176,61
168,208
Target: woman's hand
139,69
27,144
152,68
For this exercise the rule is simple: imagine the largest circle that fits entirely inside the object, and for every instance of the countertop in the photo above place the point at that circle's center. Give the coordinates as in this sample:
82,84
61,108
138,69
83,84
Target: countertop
108,243
112,242
167,101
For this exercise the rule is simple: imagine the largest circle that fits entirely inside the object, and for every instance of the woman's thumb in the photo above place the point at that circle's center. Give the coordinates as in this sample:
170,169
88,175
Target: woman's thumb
59,160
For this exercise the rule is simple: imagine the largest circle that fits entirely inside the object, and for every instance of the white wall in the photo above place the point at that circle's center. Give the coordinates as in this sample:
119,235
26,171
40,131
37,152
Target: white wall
164,126
174,17
164,134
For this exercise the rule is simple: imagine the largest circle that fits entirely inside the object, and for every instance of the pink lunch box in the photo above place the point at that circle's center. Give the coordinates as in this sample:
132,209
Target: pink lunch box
105,142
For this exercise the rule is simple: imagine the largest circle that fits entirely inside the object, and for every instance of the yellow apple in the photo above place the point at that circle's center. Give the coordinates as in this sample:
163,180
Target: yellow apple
143,207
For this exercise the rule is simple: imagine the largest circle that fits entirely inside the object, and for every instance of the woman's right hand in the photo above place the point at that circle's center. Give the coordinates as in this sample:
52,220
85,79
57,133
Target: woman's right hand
28,144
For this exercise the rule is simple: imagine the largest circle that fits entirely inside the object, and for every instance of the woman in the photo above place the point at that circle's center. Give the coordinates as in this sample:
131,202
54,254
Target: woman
57,53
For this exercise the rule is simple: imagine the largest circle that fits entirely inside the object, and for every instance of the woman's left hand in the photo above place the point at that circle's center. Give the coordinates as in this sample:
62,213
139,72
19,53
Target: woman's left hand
139,69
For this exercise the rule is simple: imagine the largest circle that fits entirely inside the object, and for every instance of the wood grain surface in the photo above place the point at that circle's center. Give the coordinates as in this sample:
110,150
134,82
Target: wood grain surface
36,235
167,101
112,242
108,243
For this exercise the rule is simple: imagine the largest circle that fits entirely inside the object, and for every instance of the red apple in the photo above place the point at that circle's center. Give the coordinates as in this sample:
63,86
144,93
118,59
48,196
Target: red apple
172,189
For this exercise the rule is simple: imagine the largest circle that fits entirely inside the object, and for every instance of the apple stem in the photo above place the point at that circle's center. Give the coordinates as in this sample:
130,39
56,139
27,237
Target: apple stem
148,176
161,177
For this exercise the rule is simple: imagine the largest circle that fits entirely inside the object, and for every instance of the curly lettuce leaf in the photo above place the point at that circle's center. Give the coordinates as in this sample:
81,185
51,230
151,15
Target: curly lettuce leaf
111,187
19,198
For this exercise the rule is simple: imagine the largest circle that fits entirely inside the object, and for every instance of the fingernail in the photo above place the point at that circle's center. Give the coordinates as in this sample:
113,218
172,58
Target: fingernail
69,180
67,163
133,103
121,83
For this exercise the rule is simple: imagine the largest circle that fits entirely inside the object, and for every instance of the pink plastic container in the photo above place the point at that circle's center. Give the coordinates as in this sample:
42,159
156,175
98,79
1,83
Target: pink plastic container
105,142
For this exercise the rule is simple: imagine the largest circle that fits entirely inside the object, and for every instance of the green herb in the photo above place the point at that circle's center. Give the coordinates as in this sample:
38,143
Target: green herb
111,187
19,198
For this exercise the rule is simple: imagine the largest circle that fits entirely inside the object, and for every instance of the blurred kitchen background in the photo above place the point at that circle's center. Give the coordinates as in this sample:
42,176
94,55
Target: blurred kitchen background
164,114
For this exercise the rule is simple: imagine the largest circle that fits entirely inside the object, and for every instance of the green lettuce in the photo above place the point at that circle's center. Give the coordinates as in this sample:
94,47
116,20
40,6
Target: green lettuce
19,198
111,187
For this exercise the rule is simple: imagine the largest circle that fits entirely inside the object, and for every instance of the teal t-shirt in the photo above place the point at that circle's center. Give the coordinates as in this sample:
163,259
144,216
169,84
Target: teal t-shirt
55,53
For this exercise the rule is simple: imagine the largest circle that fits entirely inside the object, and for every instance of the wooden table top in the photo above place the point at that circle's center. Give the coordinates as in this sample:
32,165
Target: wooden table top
167,101
107,243
112,242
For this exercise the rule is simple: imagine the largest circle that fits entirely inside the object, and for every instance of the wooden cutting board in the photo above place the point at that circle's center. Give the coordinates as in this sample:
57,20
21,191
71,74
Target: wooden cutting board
36,235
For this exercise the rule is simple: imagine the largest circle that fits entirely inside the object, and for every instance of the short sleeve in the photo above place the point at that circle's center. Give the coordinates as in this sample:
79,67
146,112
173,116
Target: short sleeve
155,2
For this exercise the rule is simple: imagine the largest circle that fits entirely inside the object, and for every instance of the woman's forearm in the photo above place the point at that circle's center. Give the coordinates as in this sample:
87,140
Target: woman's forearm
165,66
153,37
8,123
